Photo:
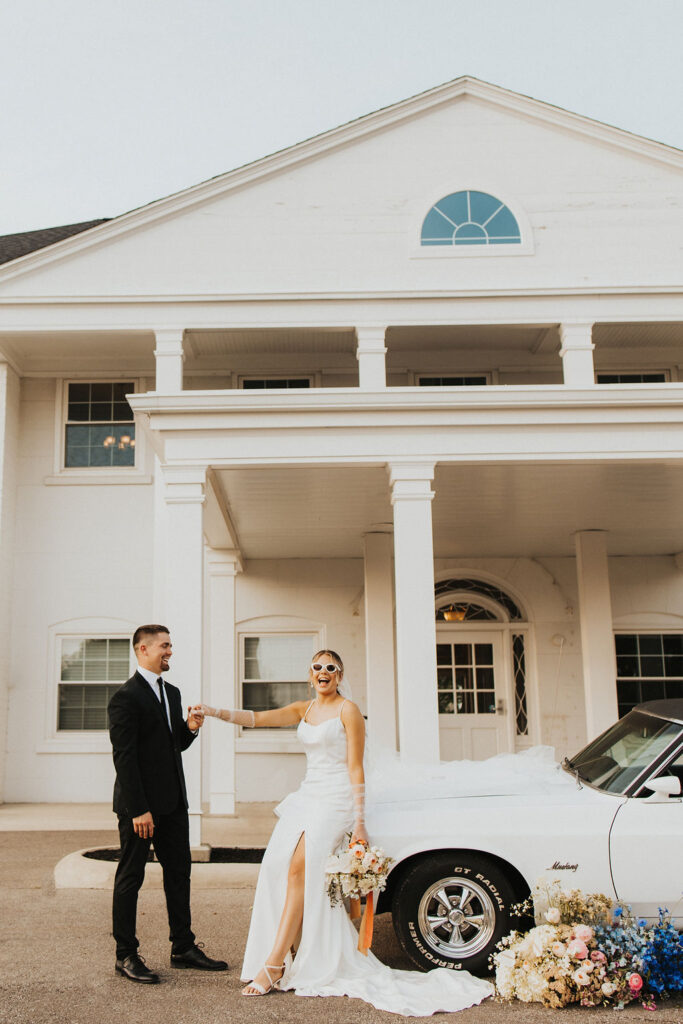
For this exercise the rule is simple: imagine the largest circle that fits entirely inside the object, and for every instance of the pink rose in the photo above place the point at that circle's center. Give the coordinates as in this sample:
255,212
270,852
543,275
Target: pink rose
578,949
583,932
598,957
635,982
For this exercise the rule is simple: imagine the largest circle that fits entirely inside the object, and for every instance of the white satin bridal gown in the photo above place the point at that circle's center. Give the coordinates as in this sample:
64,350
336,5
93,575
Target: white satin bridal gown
327,962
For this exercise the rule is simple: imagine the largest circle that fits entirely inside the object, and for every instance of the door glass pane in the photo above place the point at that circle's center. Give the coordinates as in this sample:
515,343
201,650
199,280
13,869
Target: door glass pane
465,702
486,702
446,706
443,654
484,654
463,654
463,678
484,678
444,678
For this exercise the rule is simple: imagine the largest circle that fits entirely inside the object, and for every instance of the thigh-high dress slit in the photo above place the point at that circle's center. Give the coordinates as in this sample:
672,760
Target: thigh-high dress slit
327,960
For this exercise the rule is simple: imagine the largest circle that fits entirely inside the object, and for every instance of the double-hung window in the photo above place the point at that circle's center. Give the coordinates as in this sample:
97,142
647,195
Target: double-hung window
91,671
99,427
275,669
649,667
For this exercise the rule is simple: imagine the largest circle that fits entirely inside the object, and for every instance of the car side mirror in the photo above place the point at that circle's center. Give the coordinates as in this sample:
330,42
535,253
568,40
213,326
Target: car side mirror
663,787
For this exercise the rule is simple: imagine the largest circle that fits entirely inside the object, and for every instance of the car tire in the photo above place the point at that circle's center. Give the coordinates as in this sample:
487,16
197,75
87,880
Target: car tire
480,899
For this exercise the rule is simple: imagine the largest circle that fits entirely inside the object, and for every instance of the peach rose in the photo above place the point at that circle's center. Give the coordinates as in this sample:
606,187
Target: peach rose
552,915
578,949
583,932
635,982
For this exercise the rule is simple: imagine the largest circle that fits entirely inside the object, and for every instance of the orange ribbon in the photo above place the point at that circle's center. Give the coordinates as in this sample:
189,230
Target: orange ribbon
366,925
354,908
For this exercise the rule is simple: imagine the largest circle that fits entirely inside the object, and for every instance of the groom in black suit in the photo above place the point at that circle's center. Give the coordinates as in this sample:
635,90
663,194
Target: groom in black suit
148,734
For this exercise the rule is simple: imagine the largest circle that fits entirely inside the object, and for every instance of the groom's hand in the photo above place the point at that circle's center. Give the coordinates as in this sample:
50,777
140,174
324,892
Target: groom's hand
195,717
143,825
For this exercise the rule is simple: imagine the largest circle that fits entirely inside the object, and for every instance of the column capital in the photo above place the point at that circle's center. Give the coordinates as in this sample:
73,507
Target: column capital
371,338
576,335
223,562
169,338
414,473
184,485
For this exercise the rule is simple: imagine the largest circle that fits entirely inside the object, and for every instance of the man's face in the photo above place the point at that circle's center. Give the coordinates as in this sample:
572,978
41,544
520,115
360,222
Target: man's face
154,652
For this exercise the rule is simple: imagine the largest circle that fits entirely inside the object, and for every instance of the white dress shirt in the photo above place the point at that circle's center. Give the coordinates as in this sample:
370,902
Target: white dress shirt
151,678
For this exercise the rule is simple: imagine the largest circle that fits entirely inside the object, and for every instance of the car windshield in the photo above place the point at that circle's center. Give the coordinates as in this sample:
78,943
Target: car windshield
619,756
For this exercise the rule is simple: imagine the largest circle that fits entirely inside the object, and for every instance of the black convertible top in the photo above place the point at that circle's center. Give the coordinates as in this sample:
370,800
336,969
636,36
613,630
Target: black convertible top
664,708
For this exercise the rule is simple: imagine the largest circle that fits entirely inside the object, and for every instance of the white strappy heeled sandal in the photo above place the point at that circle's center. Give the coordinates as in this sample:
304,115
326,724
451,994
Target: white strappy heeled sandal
261,990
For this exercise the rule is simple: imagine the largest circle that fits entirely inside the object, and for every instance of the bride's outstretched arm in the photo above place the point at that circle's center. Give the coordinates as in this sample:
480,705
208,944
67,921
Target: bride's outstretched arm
355,737
289,715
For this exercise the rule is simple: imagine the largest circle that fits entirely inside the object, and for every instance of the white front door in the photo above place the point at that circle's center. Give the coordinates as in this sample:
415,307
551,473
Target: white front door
474,704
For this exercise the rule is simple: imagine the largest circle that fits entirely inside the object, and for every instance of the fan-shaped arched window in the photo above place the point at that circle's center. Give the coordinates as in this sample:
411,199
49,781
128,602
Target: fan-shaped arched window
470,218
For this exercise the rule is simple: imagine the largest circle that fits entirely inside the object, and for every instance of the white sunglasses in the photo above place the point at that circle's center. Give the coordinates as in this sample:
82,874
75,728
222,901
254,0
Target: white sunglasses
317,667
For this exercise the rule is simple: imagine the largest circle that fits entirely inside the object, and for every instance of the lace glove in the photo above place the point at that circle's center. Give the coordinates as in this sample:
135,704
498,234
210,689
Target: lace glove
358,790
245,718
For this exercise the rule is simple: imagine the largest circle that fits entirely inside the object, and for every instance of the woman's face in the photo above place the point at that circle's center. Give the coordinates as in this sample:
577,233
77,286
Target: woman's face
324,682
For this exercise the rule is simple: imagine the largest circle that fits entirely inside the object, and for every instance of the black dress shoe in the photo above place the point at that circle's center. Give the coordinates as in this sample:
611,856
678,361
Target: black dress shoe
133,967
196,958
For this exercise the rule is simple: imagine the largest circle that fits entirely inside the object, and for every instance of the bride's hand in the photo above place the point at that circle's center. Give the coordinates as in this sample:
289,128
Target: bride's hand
360,834
205,711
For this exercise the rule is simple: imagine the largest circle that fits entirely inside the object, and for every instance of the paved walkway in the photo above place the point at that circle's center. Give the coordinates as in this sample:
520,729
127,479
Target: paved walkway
251,826
57,957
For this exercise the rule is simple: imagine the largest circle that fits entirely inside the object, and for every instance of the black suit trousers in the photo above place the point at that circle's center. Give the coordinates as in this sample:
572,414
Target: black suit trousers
172,846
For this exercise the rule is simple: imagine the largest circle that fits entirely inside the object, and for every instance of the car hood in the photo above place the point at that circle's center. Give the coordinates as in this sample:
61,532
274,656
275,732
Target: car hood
531,772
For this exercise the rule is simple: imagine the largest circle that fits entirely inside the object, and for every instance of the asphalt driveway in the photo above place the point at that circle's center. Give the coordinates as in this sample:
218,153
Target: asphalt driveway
57,958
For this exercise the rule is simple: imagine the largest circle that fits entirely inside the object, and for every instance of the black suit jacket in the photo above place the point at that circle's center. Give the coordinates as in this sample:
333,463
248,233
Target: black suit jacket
149,768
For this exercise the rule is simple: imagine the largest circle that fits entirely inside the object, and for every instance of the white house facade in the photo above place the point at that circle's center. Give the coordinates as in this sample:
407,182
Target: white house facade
412,389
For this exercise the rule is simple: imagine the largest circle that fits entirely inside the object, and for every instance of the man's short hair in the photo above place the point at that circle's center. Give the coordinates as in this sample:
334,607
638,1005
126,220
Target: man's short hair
150,630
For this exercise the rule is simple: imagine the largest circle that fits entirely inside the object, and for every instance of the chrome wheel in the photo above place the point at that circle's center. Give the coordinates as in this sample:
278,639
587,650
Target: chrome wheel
456,917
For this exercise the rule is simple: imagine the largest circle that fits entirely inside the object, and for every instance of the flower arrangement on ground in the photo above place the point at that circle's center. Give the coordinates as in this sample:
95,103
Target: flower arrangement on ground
587,950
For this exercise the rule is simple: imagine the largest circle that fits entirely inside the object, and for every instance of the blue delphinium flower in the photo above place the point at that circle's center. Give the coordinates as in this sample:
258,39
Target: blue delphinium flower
663,957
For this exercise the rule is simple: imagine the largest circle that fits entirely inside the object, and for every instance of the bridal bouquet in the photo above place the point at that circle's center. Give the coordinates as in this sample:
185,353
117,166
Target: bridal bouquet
354,871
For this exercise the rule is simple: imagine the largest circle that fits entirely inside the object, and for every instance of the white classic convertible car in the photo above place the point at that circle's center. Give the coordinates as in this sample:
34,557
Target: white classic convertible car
609,819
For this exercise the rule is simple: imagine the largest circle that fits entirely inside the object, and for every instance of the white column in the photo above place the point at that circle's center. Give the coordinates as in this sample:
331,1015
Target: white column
577,354
597,633
9,447
222,569
418,716
371,353
184,608
170,356
380,669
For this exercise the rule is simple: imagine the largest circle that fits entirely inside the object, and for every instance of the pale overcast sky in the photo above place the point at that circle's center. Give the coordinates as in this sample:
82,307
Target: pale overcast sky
108,104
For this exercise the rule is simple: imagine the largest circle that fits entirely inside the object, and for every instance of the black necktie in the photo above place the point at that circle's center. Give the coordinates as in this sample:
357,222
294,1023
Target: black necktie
160,684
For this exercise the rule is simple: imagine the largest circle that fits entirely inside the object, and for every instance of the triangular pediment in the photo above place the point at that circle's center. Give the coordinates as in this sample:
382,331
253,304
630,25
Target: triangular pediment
266,227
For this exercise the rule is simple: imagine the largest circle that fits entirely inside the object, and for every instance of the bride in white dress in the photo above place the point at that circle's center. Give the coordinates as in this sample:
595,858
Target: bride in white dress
291,906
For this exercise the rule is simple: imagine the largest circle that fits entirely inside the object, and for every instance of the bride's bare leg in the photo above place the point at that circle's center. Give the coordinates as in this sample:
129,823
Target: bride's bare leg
292,916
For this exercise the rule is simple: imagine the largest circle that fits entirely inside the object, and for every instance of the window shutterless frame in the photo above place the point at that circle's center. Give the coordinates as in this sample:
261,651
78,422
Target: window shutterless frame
63,474
81,741
259,673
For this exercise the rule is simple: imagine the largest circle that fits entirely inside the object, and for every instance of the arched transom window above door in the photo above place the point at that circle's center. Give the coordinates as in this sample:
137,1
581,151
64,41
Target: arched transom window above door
470,218
460,599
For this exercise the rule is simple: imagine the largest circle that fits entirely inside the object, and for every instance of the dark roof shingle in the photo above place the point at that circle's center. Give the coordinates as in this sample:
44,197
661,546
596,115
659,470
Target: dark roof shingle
14,246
